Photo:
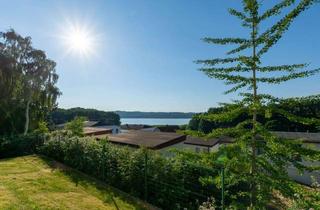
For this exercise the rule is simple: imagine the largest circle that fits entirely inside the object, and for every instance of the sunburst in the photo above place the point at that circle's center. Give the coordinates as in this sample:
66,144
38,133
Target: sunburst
79,39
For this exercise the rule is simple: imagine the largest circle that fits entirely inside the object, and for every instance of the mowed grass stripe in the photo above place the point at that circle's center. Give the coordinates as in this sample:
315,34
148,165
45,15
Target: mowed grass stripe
32,182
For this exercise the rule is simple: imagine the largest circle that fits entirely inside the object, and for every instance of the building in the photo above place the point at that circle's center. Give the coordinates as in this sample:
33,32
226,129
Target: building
94,131
115,129
85,124
134,126
310,140
92,128
201,145
150,140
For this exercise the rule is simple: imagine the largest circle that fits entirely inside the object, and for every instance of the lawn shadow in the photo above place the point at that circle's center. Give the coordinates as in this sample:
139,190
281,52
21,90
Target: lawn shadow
108,194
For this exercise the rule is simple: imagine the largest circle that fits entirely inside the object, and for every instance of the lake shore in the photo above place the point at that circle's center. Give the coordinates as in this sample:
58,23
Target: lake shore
155,121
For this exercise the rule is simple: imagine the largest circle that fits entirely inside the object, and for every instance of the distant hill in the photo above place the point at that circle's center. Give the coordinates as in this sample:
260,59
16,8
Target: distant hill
65,115
137,114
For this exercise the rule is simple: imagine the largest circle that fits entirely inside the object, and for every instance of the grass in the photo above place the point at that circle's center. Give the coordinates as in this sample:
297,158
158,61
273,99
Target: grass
33,182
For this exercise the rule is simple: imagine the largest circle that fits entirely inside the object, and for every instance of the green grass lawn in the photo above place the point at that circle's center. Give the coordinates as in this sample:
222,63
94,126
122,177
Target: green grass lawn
33,182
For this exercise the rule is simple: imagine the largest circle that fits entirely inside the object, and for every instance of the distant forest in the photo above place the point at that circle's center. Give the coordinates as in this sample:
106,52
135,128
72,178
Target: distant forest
137,114
308,107
60,116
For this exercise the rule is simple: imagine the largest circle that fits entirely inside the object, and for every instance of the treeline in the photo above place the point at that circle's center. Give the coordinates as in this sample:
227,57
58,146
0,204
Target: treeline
306,107
60,116
137,114
28,90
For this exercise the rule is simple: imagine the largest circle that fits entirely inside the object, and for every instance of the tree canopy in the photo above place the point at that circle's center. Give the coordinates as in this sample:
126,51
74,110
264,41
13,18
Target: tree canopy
60,116
306,107
27,82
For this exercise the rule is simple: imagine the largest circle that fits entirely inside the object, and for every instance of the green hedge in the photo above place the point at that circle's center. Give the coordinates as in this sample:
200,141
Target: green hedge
17,145
170,183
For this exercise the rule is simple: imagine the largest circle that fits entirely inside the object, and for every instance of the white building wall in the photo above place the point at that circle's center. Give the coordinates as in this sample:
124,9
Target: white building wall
305,178
308,177
196,148
115,129
182,146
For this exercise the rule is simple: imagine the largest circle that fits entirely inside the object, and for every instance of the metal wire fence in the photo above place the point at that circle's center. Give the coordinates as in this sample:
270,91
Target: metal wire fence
166,182
182,190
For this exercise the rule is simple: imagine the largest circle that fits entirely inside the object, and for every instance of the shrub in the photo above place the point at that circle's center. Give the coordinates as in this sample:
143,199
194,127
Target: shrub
42,128
170,183
17,145
76,126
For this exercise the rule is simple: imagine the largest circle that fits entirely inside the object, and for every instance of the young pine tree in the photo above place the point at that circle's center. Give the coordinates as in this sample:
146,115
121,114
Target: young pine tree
258,159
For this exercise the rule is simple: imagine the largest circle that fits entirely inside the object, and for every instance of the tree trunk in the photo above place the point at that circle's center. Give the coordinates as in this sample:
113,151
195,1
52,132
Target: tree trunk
26,125
254,119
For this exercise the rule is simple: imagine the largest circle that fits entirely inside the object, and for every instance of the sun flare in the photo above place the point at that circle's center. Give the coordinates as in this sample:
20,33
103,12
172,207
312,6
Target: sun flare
79,39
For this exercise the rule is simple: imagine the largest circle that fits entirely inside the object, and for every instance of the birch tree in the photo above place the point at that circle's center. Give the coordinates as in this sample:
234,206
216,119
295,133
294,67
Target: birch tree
31,78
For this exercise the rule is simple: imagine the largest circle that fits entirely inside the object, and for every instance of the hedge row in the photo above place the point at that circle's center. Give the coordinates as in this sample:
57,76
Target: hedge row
170,183
17,145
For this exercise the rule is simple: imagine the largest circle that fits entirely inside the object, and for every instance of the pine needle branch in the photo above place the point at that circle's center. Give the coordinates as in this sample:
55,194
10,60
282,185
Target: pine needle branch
288,68
281,79
225,40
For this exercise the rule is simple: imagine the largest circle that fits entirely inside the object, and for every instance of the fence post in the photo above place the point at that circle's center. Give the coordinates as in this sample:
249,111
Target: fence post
222,188
145,175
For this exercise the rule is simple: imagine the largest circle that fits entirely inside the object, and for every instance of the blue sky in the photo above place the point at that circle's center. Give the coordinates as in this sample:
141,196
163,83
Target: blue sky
145,50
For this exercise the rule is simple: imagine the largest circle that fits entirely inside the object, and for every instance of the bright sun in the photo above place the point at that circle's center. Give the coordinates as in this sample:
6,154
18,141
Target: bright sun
79,40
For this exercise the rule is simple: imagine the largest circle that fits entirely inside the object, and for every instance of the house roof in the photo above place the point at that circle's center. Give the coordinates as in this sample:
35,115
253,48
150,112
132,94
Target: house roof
96,131
85,124
90,123
108,126
209,142
304,136
151,140
133,126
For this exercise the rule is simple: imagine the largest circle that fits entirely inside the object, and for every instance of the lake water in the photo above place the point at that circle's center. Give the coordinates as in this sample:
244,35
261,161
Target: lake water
155,121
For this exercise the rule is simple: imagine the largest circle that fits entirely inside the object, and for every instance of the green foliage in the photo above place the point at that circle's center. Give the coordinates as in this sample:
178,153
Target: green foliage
258,158
171,182
205,126
181,181
76,126
18,145
208,205
27,83
311,198
36,182
60,116
183,127
42,128
275,118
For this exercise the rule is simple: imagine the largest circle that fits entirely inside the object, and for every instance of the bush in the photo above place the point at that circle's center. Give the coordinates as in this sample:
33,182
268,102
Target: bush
76,126
170,183
17,145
